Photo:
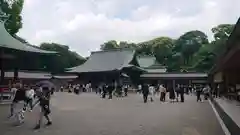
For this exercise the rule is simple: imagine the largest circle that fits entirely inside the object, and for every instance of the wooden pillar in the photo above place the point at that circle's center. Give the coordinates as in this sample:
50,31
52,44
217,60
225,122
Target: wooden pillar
189,82
15,73
16,68
1,67
173,83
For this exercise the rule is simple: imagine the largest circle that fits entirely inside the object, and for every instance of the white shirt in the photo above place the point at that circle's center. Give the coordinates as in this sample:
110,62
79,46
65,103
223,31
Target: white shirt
139,87
162,89
30,93
13,90
151,89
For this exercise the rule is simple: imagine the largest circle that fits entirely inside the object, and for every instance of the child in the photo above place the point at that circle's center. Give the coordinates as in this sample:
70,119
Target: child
29,98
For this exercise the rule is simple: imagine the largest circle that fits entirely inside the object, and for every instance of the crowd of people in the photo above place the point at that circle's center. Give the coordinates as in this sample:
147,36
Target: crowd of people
175,94
147,90
40,95
31,96
102,89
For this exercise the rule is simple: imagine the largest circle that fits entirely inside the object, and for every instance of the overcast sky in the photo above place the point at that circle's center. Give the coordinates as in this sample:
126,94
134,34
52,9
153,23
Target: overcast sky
85,24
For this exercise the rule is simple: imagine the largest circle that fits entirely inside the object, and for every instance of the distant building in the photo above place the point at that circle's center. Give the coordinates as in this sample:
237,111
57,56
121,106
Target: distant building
109,66
151,65
157,74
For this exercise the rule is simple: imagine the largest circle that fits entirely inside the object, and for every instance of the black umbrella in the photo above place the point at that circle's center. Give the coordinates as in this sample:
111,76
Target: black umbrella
46,84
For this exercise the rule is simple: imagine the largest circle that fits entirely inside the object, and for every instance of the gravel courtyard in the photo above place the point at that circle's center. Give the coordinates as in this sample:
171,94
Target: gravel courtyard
88,114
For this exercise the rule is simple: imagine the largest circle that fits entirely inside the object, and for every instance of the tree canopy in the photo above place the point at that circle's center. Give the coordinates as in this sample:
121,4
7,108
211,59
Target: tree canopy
12,9
192,51
64,59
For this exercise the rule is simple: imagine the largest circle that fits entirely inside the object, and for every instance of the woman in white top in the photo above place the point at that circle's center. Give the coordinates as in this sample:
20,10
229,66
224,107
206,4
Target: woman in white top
163,91
30,93
151,91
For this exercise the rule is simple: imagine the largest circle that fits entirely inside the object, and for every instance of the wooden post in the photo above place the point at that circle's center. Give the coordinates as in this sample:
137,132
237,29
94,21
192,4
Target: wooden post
1,68
173,83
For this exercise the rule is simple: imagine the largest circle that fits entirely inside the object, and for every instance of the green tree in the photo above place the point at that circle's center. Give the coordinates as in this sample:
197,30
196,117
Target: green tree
13,9
189,43
221,34
206,56
204,59
110,45
145,48
222,31
162,49
65,58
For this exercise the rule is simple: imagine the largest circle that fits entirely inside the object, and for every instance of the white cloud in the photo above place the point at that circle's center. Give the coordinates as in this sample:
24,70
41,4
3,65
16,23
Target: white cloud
85,24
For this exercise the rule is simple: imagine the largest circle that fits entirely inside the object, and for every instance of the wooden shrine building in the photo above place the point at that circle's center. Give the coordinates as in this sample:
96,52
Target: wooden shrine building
109,66
15,55
225,75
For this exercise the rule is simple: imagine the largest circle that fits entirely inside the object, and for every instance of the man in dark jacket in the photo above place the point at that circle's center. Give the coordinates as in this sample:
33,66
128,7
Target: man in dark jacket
110,90
44,99
182,93
198,91
145,91
104,89
19,95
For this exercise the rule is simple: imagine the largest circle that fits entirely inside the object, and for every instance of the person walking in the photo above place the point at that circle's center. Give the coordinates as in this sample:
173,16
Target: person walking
198,92
182,90
171,94
104,90
18,95
44,99
29,98
190,89
145,92
178,89
163,92
126,90
139,89
61,88
151,91
206,91
110,90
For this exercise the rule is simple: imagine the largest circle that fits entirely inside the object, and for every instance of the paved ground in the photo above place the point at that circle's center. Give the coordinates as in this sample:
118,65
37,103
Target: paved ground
87,114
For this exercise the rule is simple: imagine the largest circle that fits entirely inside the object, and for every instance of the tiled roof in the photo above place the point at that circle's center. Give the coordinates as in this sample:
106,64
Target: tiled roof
7,41
106,61
174,75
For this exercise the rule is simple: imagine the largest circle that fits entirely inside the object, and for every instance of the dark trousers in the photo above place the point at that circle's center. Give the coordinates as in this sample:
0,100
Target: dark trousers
145,97
29,102
45,111
162,96
110,95
182,97
177,95
199,96
104,94
126,91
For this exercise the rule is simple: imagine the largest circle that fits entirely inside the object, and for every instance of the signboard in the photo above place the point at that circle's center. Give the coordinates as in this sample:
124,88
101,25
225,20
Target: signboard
199,81
218,77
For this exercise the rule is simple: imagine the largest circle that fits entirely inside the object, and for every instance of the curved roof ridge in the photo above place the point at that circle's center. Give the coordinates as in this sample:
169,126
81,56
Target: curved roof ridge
113,50
8,41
